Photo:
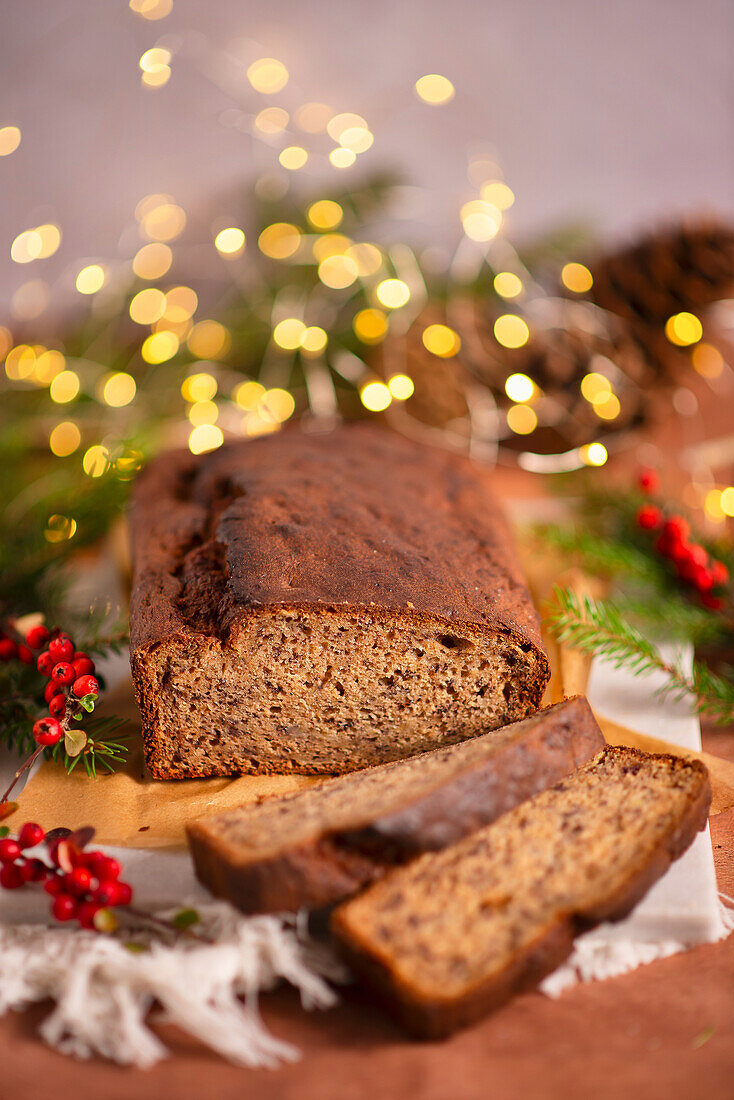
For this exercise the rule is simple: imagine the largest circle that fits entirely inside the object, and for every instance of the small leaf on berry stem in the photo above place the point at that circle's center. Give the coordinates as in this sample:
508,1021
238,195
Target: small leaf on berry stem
186,918
81,837
104,920
7,808
4,830
59,833
135,948
74,742
88,702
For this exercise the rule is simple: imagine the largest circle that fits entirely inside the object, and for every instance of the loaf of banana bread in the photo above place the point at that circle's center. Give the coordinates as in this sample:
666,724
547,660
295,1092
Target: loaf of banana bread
317,603
316,846
454,934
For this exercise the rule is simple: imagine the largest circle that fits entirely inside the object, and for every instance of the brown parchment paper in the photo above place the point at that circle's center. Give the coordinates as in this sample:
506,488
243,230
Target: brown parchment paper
130,809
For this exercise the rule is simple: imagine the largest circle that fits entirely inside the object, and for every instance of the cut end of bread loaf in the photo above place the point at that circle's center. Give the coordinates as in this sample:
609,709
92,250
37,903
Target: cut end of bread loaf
326,692
454,934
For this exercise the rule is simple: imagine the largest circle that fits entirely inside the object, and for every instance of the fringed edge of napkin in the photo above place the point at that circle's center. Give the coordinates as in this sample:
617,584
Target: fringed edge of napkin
103,992
595,957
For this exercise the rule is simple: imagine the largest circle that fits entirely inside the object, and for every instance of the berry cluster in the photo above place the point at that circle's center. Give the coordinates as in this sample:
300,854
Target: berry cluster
691,561
83,885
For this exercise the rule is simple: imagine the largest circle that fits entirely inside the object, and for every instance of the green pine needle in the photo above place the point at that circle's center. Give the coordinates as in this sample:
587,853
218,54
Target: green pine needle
599,628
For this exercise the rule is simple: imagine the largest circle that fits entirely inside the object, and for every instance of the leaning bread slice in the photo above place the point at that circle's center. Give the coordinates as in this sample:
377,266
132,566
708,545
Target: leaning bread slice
319,845
454,934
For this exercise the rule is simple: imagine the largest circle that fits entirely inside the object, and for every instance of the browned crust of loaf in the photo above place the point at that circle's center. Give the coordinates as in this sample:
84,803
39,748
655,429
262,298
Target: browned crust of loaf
432,1019
282,538
328,867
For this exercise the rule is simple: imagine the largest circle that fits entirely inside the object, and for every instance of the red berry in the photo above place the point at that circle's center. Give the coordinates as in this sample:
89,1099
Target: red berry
699,555
47,731
34,870
45,663
677,528
85,685
87,912
649,517
25,655
703,580
719,572
648,480
63,673
53,885
715,603
11,876
124,893
79,880
62,648
107,893
37,637
64,907
8,649
9,850
102,866
57,706
51,689
30,835
83,665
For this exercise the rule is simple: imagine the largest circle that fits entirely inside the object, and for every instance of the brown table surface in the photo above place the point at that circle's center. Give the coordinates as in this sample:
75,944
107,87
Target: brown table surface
664,1030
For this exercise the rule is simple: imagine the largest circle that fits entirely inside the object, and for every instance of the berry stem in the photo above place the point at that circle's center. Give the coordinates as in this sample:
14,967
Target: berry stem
161,922
23,768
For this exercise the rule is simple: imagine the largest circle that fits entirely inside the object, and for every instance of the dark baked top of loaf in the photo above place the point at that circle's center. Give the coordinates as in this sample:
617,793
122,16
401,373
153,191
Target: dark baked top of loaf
352,801
451,920
357,517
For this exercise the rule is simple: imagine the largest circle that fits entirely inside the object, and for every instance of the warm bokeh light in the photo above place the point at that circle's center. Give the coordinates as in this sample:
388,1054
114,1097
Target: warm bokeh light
375,396
519,388
30,299
497,194
367,257
48,365
208,340
683,329
331,244
201,386
203,412
521,419
370,326
325,214
577,278
276,406
595,387
64,387
96,461
593,454
152,260
480,220
707,360
511,331
401,387
90,279
148,306
64,439
205,437
159,347
434,89
272,120
393,293
230,242
293,157
20,362
712,506
339,124
162,221
279,241
607,406
10,137
36,244
151,9
338,272
118,389
727,500
267,75
6,341
157,78
342,158
60,528
357,138
313,341
507,285
181,304
248,394
288,333
313,118
441,340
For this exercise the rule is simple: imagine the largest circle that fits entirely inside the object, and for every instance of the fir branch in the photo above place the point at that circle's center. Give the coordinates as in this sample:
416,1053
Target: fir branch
599,628
101,750
609,556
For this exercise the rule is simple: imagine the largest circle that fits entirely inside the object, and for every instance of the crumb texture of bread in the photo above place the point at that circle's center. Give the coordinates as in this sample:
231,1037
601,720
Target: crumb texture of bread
316,603
314,847
453,934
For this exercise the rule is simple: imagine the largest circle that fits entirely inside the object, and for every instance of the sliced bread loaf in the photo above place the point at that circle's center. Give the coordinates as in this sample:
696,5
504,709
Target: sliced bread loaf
316,846
454,934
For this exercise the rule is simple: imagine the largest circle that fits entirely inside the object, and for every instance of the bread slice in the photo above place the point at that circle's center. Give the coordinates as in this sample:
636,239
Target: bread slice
454,934
316,603
318,845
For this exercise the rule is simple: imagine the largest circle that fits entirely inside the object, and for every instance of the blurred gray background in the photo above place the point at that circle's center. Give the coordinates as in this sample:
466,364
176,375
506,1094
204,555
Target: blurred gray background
616,114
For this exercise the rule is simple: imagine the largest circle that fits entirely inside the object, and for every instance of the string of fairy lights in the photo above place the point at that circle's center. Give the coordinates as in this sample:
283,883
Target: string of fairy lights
380,291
